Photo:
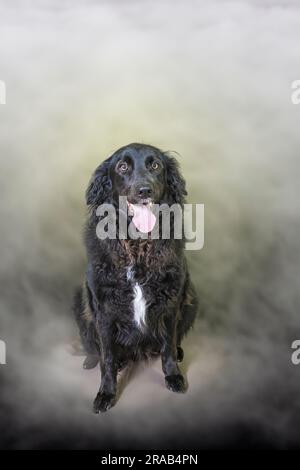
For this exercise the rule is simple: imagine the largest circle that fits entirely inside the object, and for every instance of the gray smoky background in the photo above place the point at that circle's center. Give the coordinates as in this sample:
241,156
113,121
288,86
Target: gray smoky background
210,80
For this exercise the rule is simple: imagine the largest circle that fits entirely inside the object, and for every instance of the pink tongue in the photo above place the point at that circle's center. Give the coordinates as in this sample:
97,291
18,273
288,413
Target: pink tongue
143,218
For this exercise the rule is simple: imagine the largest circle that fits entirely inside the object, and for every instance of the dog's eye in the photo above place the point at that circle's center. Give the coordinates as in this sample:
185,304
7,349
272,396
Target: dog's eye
123,167
155,165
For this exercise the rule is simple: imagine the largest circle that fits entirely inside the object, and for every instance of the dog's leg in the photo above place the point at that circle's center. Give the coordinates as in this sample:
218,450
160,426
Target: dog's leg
169,356
106,396
189,308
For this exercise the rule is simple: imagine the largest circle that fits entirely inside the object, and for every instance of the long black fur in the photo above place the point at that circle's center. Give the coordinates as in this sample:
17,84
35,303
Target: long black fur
103,306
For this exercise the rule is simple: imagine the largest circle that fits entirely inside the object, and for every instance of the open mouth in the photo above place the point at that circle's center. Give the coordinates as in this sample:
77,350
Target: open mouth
142,202
142,216
147,202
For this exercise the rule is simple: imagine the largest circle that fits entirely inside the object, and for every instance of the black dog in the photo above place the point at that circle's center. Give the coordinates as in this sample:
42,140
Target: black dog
137,300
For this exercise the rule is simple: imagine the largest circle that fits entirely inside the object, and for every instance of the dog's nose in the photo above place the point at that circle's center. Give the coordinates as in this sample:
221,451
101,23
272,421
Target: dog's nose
145,192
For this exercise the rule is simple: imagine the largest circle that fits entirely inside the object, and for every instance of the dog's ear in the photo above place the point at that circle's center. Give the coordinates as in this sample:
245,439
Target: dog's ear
175,182
99,188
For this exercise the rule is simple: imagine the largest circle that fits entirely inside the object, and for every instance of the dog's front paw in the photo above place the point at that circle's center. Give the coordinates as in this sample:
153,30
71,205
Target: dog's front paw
176,383
103,402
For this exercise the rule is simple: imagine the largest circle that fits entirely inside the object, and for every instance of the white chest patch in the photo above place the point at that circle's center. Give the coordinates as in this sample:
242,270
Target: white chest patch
139,302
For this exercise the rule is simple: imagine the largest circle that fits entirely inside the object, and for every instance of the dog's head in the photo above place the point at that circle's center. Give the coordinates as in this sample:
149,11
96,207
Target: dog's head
142,173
